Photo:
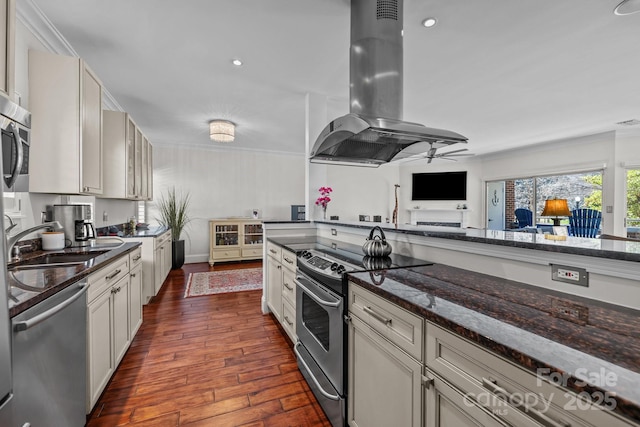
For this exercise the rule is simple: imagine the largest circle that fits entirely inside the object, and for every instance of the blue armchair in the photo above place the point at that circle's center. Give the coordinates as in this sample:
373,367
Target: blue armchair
524,217
585,222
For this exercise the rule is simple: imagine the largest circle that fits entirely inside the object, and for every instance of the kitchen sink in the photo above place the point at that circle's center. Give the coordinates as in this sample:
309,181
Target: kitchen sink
58,259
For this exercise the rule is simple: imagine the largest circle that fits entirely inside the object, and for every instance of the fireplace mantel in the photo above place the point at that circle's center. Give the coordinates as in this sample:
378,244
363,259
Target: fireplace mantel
439,217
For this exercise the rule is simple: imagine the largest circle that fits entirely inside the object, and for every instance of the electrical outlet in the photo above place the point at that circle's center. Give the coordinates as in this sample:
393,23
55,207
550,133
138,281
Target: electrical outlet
334,232
566,274
105,216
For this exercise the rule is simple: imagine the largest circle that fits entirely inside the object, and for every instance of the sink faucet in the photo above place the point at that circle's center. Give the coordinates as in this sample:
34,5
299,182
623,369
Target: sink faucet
11,241
11,224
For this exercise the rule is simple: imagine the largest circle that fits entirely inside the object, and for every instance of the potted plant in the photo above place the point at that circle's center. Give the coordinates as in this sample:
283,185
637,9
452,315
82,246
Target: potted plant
173,215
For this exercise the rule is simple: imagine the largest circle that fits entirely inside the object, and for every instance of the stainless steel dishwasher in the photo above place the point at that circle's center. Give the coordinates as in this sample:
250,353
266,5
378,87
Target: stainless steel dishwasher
49,360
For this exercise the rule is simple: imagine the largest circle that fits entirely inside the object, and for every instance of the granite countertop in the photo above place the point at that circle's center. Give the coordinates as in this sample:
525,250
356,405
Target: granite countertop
151,231
527,325
602,248
50,280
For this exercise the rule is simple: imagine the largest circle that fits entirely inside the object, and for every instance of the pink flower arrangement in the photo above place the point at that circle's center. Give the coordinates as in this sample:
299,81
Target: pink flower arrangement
324,198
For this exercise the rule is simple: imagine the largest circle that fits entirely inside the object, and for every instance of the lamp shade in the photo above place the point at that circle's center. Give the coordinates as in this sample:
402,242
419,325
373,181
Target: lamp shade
556,207
222,131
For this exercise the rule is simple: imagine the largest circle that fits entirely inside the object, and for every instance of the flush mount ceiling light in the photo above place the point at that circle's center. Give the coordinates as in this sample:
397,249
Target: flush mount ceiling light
222,131
429,22
627,7
237,62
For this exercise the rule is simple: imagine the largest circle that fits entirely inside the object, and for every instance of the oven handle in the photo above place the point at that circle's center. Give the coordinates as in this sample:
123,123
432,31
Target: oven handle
301,359
316,298
18,167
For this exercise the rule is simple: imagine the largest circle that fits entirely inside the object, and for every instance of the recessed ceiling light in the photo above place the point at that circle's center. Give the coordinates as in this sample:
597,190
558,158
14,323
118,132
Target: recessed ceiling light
429,22
237,62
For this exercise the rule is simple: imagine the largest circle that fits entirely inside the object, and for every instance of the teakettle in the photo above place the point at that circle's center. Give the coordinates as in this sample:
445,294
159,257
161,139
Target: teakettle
376,246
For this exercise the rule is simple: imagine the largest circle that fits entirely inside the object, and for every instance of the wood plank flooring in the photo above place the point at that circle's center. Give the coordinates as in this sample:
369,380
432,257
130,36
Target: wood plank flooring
207,361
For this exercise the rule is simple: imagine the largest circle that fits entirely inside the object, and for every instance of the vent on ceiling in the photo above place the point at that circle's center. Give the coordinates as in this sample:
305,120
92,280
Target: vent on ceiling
387,9
632,122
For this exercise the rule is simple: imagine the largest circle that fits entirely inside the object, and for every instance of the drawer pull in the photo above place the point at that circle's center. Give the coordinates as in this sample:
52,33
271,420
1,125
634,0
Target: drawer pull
137,258
272,251
286,285
290,261
111,276
289,322
490,384
377,316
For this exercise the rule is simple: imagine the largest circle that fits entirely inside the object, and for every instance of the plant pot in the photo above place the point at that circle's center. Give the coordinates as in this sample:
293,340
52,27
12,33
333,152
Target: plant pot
177,256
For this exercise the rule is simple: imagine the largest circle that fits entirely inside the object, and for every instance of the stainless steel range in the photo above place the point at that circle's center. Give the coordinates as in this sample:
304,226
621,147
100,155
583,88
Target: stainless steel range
320,307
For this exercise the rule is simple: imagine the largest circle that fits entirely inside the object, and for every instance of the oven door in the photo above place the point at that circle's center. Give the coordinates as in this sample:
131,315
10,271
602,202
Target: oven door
319,326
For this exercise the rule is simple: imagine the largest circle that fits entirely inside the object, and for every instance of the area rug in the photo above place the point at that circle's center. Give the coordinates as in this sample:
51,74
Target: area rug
220,282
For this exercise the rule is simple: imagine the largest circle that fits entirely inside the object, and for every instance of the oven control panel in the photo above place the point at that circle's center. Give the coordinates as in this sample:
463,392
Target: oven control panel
324,264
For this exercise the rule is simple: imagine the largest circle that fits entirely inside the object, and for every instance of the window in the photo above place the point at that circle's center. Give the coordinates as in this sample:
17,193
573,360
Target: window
581,190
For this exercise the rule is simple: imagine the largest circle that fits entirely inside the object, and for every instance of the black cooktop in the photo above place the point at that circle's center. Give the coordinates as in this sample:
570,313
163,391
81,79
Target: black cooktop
329,265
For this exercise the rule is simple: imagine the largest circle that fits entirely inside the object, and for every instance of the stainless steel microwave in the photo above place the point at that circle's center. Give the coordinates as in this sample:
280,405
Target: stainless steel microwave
15,124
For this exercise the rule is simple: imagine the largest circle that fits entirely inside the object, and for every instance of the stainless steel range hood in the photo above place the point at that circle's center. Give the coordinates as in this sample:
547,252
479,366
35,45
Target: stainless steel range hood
374,133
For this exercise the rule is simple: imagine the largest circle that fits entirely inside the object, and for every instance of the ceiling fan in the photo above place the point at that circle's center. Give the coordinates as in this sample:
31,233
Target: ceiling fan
431,154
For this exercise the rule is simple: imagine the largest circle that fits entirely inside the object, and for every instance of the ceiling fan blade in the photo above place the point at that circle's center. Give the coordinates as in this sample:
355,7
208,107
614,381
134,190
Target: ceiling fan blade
451,152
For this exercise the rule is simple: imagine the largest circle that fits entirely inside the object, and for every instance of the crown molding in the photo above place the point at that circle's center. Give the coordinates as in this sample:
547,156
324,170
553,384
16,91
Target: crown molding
32,17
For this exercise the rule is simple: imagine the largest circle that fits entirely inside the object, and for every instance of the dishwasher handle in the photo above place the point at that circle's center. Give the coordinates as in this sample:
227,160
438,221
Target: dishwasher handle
29,323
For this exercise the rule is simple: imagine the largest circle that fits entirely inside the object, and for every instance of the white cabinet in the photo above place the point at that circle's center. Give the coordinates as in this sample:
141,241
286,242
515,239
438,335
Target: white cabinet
65,99
7,47
500,391
107,325
234,240
281,287
385,362
156,262
162,260
126,154
135,291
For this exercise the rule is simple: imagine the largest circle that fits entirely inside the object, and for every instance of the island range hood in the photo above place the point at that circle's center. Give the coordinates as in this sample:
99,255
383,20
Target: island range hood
373,133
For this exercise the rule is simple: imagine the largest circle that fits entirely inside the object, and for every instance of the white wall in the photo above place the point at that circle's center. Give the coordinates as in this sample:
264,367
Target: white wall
226,183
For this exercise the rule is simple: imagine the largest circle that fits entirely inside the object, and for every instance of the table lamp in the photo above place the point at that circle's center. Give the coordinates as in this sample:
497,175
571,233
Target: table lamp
556,208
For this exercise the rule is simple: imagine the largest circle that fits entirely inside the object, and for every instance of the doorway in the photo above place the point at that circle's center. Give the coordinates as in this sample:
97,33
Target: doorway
632,217
495,205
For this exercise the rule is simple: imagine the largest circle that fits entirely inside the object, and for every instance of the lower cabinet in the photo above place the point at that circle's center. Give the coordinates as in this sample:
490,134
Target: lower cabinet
156,262
385,363
281,287
385,383
114,315
446,406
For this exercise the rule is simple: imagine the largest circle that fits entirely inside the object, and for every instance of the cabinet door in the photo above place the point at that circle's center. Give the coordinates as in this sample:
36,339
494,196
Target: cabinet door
131,158
144,169
158,258
138,164
385,383
7,17
445,406
91,113
168,259
135,300
100,358
120,292
274,287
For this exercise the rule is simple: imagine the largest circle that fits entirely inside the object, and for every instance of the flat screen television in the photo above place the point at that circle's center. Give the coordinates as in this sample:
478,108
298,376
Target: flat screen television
439,186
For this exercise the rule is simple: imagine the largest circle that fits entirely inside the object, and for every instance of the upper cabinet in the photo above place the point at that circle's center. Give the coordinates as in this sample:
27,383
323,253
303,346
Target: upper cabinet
65,99
7,36
127,157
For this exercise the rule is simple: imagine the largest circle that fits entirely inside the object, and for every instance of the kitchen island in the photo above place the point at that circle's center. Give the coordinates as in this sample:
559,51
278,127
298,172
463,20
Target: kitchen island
588,348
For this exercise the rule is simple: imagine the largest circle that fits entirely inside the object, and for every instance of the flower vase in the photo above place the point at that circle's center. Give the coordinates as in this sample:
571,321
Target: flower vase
324,212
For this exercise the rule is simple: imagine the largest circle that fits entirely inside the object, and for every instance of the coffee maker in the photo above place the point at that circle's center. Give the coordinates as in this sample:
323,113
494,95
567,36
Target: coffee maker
77,223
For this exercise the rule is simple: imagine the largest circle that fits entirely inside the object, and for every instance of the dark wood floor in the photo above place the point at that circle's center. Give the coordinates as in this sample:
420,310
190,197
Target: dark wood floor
207,361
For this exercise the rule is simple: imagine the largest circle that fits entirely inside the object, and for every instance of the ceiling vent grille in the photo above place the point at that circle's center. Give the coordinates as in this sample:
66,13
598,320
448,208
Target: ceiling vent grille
632,122
387,9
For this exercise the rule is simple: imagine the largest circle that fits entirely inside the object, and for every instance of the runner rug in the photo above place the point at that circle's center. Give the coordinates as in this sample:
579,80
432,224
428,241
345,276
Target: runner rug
220,282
